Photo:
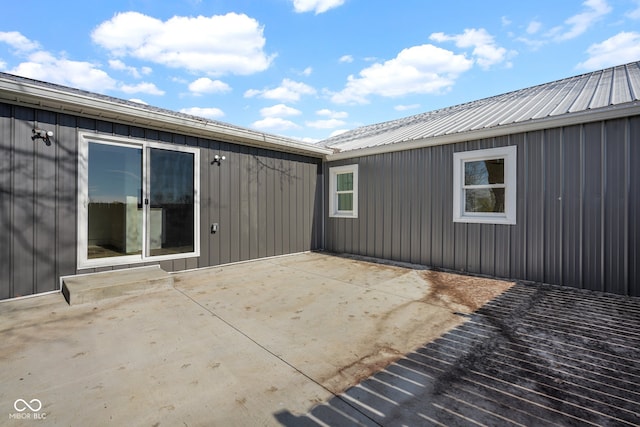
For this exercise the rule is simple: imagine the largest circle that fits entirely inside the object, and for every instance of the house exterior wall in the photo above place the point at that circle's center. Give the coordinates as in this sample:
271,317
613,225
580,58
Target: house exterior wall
266,202
578,209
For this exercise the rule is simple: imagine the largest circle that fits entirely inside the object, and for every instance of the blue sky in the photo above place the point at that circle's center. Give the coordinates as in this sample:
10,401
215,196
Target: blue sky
309,69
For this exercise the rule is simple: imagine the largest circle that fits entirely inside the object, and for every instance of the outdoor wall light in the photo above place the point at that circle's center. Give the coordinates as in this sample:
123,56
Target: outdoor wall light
45,135
217,159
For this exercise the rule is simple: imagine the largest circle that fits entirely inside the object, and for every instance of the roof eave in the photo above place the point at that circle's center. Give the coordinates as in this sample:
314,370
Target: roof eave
50,98
606,113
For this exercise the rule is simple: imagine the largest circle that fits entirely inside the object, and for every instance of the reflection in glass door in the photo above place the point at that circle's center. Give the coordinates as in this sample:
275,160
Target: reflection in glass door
171,202
114,217
136,201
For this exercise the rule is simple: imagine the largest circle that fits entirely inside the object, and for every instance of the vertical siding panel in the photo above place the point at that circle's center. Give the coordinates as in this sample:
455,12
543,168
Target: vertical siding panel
286,205
407,195
262,203
501,251
572,213
360,237
223,204
448,236
615,233
426,204
592,204
45,206
252,166
236,192
301,207
633,213
437,208
245,204
417,195
270,208
387,212
307,212
518,245
535,206
6,201
397,196
317,241
368,212
474,248
23,203
552,216
207,201
66,195
461,245
380,207
278,203
488,249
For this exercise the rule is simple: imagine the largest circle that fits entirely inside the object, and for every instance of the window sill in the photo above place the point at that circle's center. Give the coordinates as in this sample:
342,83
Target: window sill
485,220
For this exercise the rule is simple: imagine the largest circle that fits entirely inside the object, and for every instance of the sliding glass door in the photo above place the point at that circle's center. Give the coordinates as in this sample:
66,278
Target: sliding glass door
136,202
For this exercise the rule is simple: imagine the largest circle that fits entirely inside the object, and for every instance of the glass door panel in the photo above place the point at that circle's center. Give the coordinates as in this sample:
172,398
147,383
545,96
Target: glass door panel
170,228
115,216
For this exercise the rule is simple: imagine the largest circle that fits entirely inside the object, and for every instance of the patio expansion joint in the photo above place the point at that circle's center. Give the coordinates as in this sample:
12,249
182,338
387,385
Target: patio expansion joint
241,332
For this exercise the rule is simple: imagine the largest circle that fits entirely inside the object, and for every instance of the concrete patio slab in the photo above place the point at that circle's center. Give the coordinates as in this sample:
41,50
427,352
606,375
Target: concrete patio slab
232,345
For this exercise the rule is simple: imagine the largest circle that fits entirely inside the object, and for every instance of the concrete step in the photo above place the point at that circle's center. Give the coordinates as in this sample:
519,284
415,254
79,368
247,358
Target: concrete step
89,288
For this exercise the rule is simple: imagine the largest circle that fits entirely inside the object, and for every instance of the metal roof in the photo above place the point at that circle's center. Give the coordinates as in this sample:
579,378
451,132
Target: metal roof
38,94
610,92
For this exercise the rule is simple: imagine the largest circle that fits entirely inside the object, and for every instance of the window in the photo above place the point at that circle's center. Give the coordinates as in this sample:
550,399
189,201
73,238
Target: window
484,186
343,191
138,201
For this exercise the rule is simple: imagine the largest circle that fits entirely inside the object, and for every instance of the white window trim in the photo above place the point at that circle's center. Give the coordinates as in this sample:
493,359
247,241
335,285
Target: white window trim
509,154
83,200
333,194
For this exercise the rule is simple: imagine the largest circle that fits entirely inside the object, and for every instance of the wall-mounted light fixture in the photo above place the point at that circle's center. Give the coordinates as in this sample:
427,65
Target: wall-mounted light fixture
217,159
45,135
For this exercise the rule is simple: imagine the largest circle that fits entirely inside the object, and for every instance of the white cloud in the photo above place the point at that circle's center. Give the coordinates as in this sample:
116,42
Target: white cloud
332,114
346,59
505,21
580,23
288,91
209,113
206,85
635,13
418,69
484,47
19,42
117,64
275,123
622,48
3,64
79,74
534,27
216,45
279,110
317,6
406,107
144,87
307,71
325,124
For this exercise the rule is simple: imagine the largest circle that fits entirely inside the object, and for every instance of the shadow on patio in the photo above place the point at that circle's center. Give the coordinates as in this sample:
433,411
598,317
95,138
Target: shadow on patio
536,355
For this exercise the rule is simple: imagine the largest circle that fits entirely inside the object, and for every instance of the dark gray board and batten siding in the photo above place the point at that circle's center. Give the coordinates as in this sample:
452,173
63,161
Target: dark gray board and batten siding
578,209
266,202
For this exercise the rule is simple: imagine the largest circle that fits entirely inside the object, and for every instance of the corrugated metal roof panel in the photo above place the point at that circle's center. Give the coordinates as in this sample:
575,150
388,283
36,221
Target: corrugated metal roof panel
591,91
